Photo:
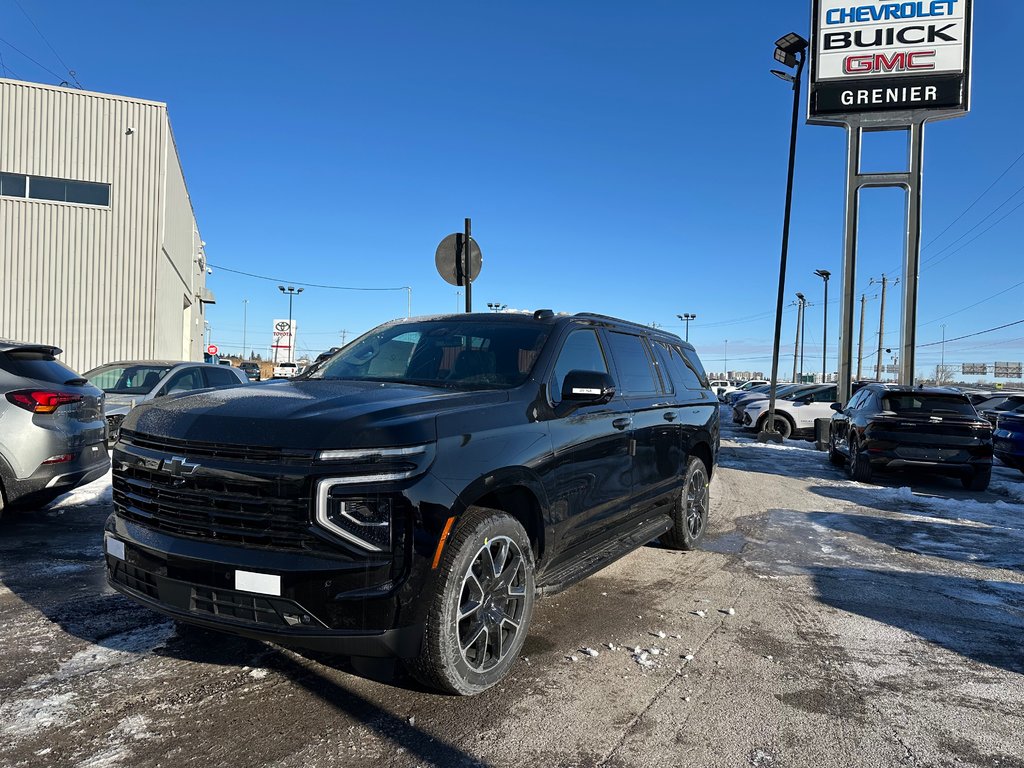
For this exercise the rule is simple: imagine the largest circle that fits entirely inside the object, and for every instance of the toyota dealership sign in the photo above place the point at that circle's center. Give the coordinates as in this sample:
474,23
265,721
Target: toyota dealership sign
889,58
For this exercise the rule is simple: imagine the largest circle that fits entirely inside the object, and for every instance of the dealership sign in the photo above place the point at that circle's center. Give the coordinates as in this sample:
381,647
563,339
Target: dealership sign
889,57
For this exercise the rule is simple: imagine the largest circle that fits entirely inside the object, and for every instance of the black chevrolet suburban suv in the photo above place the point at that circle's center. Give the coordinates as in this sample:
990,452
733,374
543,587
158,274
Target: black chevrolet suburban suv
414,495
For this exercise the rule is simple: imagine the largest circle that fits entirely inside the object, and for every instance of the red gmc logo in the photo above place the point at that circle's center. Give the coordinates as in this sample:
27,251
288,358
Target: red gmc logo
901,61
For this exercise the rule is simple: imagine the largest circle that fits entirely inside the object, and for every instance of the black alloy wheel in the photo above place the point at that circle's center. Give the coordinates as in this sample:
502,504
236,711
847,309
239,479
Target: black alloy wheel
690,512
479,613
859,467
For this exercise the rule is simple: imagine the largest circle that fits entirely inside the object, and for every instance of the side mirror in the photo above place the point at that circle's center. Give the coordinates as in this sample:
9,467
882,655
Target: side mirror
837,407
590,387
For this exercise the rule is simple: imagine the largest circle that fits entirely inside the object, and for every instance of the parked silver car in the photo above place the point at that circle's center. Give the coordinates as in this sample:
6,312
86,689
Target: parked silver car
52,432
128,383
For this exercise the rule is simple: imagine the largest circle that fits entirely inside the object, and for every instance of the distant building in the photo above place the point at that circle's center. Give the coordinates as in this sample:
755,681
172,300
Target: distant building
99,246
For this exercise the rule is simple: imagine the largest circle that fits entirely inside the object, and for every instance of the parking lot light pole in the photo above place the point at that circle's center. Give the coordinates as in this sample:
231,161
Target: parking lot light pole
245,323
824,274
687,317
495,306
790,52
291,292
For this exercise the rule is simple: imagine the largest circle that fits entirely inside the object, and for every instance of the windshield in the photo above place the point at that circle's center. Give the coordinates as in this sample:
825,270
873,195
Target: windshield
922,403
442,353
127,379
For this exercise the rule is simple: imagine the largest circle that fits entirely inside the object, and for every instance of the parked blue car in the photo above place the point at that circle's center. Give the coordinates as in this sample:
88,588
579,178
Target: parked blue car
1008,439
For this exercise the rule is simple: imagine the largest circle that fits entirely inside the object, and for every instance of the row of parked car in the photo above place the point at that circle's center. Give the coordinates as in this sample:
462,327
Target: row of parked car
58,424
888,426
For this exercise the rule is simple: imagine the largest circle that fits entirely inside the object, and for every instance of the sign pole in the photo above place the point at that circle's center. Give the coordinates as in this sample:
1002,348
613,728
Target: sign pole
466,270
852,216
912,253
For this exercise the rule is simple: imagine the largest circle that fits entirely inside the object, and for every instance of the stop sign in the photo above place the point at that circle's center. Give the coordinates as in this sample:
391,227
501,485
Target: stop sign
212,349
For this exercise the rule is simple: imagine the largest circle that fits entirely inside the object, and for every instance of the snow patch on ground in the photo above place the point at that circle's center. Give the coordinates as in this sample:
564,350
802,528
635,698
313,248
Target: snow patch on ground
1013,491
116,651
95,493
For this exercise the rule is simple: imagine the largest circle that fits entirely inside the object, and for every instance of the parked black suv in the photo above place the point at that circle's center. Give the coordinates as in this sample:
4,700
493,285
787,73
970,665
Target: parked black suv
411,497
885,426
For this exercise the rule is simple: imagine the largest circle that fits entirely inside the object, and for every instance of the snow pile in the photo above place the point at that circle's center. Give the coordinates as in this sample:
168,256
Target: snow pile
96,493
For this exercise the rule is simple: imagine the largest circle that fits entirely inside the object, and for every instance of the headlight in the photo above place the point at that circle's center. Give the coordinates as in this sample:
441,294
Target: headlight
363,520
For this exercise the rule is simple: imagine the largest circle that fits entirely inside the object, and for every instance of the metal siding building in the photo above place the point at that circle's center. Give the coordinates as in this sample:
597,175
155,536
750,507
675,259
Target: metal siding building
120,281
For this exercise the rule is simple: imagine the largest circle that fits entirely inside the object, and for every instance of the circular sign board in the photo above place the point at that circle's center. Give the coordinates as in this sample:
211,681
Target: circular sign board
451,262
212,349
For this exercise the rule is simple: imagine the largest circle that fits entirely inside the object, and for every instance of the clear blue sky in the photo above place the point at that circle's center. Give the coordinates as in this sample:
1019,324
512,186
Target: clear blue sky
622,158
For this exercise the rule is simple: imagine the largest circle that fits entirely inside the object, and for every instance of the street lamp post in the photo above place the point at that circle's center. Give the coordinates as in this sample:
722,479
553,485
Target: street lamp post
245,323
726,362
686,317
291,292
790,52
824,274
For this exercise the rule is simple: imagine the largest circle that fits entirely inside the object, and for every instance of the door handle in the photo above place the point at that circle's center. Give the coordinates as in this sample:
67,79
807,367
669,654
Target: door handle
622,422
670,416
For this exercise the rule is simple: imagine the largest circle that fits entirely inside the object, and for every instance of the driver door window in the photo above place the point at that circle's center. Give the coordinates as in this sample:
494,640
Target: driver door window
580,352
184,381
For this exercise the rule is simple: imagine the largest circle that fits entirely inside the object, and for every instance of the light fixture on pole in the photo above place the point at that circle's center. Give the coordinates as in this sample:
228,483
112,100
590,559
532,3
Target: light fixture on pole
686,317
790,51
824,274
495,306
291,292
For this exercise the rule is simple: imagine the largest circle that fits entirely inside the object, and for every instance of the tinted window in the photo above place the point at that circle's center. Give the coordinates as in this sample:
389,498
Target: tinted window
12,184
185,381
636,374
220,377
39,366
46,189
826,395
581,352
858,400
925,403
448,353
694,362
673,362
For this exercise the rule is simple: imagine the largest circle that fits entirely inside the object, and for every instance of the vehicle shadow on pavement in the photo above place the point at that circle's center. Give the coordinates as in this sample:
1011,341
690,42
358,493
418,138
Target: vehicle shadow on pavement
979,619
979,545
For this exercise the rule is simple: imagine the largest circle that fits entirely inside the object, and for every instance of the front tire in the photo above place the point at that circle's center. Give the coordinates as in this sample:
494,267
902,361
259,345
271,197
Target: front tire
690,511
782,425
480,611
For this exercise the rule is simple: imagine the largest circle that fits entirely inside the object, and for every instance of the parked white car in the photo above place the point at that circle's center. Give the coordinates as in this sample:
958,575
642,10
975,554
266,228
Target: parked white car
285,370
793,418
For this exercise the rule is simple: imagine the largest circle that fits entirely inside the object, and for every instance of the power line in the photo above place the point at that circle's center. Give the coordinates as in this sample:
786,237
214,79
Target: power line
18,50
68,69
971,335
975,304
307,285
993,224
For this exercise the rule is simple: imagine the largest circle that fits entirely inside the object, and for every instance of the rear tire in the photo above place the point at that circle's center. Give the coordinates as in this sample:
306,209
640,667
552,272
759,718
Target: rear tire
782,425
479,614
978,480
859,466
690,511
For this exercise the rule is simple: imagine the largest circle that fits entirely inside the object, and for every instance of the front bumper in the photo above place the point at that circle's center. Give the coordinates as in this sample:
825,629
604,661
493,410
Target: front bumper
314,601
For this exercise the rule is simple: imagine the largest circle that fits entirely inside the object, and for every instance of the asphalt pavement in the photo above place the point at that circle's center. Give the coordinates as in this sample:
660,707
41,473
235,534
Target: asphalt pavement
826,623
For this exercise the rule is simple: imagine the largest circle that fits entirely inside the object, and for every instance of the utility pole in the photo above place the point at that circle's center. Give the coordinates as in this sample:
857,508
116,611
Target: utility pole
860,344
881,331
343,333
245,322
796,342
943,358
803,333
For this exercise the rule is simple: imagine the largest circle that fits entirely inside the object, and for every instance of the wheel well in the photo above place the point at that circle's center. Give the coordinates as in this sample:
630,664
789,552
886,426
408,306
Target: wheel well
519,502
703,452
778,415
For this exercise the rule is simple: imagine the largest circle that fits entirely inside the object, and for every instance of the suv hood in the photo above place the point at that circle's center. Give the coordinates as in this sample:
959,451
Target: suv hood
307,414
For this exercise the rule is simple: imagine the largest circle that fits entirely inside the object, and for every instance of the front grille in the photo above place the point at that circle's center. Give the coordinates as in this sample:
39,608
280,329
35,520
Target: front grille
261,513
194,449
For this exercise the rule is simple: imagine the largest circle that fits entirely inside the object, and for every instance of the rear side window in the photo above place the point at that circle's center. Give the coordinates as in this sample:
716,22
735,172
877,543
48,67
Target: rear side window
672,361
694,362
185,381
822,396
636,373
37,365
219,377
580,352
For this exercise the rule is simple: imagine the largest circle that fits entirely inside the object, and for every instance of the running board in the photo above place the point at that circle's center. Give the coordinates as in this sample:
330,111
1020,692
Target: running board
593,561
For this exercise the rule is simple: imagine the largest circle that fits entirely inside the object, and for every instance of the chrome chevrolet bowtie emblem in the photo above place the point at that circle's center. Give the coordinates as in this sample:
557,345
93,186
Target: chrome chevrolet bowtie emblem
178,466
